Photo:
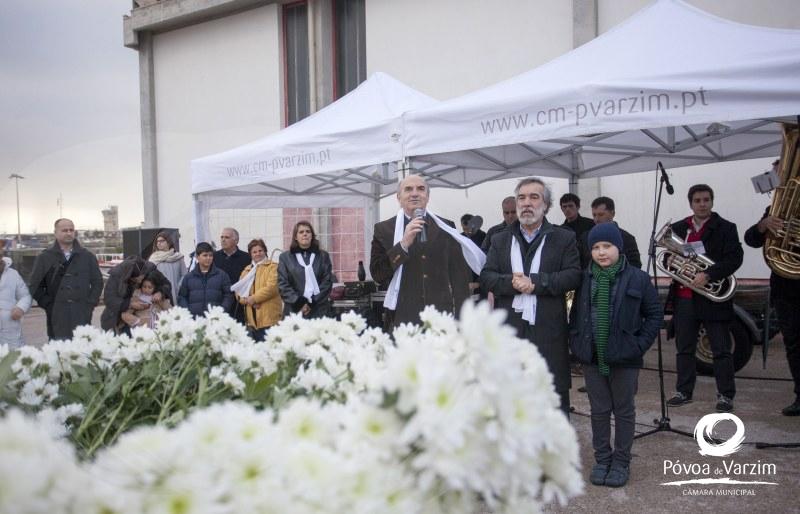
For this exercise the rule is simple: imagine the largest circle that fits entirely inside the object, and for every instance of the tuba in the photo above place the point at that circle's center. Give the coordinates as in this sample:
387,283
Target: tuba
675,262
782,248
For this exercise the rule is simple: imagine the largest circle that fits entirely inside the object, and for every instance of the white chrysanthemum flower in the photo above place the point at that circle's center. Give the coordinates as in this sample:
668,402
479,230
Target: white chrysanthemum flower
354,321
33,392
37,473
304,419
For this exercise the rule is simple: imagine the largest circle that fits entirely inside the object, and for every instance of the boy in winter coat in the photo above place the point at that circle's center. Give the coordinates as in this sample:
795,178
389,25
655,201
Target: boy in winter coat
206,285
617,318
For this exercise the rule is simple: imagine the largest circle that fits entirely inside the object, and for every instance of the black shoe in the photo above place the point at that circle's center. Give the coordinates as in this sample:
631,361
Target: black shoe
582,389
792,410
679,399
598,474
724,404
617,475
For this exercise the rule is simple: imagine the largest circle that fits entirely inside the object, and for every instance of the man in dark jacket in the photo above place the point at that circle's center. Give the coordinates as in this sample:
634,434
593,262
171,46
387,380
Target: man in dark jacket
231,260
509,207
785,297
603,212
570,206
66,282
206,285
122,280
433,271
530,267
709,234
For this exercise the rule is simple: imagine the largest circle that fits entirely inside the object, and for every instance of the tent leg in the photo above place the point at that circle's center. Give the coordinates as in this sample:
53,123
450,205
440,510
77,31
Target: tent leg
573,184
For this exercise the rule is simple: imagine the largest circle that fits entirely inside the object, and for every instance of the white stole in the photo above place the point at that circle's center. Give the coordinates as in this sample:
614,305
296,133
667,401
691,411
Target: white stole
525,303
312,286
243,286
473,255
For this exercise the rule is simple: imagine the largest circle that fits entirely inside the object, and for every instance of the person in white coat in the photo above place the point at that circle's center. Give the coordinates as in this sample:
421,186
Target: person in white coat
15,300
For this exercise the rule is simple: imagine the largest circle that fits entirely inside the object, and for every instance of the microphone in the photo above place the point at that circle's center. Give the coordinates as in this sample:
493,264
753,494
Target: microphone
665,178
422,237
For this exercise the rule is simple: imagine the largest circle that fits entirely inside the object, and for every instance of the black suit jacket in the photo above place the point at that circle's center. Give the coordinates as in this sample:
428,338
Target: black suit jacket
559,272
434,273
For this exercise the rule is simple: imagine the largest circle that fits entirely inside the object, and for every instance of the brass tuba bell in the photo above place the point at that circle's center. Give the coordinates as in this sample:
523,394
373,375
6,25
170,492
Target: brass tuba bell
682,264
782,248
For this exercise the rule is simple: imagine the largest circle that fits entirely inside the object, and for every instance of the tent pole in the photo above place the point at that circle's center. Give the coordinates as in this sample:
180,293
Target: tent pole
573,184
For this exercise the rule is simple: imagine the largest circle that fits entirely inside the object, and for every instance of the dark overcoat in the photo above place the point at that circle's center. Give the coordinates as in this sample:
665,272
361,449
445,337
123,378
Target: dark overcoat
635,318
559,272
721,241
67,290
292,282
434,272
118,291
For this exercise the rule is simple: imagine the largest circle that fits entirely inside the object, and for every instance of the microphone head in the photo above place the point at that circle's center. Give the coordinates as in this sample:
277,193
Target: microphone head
419,213
670,189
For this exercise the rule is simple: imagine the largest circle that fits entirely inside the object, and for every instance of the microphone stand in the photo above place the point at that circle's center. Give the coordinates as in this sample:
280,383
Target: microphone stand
662,424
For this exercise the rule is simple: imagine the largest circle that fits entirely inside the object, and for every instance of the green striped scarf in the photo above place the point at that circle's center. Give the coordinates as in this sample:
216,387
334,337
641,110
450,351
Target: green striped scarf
601,298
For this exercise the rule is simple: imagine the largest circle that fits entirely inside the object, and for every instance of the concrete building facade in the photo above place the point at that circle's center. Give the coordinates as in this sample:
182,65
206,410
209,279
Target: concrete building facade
216,74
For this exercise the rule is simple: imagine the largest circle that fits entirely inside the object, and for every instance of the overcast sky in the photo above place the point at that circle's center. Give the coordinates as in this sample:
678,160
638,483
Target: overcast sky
69,113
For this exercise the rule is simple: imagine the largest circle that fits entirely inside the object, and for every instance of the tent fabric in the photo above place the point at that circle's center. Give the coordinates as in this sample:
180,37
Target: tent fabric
348,137
672,84
344,155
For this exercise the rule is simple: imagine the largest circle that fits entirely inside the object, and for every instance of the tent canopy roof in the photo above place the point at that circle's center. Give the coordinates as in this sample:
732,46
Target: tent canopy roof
341,143
672,84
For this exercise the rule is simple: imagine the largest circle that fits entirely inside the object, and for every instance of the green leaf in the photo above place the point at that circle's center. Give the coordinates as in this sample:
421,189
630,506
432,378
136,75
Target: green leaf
261,389
7,375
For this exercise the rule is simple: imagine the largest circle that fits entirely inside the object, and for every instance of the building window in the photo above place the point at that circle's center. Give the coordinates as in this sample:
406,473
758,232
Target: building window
350,46
295,48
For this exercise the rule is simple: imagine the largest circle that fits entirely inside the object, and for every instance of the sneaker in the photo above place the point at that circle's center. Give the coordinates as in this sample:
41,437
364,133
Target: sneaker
598,474
792,410
679,399
617,475
724,404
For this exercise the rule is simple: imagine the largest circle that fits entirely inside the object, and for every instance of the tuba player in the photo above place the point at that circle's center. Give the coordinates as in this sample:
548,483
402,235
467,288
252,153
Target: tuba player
711,235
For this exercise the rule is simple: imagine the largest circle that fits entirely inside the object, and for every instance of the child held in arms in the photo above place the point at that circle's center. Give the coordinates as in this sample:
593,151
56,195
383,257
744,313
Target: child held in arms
148,316
616,319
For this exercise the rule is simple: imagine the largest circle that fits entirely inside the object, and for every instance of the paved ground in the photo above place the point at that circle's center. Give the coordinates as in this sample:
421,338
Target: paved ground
758,403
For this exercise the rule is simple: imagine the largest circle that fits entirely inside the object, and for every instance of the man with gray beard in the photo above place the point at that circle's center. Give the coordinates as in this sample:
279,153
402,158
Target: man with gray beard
529,268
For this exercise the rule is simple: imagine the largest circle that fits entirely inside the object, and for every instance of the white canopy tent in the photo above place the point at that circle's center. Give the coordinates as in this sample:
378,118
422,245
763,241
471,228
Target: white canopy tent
671,84
344,155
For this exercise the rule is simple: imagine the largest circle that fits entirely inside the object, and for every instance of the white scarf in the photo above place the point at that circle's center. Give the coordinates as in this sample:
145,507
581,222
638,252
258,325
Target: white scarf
243,286
525,303
472,254
159,256
312,286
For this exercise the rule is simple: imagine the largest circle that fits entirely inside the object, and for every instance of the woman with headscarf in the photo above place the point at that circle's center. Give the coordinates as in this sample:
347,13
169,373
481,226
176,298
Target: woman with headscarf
305,274
257,291
123,279
169,262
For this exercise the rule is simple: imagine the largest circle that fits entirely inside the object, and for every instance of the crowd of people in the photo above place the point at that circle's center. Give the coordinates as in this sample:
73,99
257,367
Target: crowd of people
524,265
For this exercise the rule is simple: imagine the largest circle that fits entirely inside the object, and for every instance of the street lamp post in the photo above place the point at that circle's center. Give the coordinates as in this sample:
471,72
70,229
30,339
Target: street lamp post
19,230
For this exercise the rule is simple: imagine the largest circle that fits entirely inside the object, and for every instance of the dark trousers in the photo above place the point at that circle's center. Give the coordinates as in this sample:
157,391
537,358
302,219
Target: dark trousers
613,393
789,323
564,400
687,327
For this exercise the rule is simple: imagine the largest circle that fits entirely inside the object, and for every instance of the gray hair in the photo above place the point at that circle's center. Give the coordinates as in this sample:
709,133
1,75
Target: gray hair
547,194
235,232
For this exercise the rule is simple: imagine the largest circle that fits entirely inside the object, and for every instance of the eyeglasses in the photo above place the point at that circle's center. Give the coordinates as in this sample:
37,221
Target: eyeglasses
509,212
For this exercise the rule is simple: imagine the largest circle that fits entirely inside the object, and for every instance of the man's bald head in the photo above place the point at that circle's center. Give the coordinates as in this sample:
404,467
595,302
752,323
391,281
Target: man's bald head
412,193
